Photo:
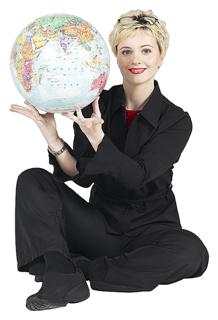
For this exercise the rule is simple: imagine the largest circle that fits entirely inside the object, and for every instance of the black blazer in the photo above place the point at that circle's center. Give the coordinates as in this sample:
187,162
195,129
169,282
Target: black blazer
135,164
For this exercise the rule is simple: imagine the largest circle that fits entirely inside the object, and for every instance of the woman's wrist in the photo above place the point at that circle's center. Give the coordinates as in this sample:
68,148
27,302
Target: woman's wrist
96,141
56,145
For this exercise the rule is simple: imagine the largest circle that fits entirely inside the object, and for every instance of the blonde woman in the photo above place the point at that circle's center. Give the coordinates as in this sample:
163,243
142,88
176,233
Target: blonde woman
128,237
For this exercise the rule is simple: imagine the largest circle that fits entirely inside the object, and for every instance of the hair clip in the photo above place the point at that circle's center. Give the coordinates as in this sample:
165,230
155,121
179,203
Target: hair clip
145,19
142,19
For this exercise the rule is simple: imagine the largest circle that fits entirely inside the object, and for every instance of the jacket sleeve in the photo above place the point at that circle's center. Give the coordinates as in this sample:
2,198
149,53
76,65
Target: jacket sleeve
82,150
83,153
154,158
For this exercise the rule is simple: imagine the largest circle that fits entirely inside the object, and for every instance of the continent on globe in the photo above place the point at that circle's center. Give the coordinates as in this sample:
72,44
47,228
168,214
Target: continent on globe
59,61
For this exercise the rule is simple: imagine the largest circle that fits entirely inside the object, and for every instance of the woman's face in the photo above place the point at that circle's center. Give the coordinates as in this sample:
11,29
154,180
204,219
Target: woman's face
138,57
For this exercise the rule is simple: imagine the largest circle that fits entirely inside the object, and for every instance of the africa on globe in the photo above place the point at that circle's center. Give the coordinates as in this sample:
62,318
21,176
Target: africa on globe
58,62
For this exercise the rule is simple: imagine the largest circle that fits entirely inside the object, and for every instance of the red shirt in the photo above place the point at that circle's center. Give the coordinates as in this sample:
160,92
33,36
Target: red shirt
129,115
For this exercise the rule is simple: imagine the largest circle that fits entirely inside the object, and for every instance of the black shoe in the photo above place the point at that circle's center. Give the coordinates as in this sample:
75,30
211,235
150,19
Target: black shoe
57,290
81,262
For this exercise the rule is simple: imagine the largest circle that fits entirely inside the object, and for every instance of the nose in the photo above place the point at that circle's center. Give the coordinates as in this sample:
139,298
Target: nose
136,60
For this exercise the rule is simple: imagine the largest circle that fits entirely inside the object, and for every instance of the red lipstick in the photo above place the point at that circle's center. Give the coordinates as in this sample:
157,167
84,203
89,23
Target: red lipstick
137,70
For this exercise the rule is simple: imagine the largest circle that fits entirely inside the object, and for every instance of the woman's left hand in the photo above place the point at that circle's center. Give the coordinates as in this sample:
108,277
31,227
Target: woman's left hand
91,127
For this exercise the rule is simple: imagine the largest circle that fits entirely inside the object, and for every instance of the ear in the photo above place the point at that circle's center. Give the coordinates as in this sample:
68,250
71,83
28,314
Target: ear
161,61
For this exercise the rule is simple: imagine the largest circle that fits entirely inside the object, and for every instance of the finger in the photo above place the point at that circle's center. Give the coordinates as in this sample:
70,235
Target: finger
26,111
36,114
70,116
79,113
66,114
22,110
17,107
95,106
30,105
98,121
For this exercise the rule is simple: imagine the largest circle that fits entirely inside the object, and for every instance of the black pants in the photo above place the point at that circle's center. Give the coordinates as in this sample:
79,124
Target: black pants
51,216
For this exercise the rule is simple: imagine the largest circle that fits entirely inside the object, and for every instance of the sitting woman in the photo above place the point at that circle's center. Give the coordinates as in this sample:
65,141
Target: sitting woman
128,237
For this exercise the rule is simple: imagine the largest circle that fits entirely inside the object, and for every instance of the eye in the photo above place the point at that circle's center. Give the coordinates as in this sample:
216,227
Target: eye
147,50
125,52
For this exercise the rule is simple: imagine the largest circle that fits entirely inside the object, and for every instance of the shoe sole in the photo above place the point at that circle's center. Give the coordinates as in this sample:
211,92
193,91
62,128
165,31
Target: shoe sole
76,294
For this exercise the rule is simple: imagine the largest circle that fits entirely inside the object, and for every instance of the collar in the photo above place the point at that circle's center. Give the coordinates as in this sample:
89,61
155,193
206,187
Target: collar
152,108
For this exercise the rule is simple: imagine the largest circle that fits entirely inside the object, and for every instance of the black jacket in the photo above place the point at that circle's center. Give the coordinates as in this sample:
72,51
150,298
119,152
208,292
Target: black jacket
131,166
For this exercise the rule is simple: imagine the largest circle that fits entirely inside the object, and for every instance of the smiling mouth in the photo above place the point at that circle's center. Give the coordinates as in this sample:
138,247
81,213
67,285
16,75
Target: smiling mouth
137,70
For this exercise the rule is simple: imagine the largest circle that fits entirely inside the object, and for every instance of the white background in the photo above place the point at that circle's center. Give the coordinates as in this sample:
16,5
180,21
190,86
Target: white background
188,78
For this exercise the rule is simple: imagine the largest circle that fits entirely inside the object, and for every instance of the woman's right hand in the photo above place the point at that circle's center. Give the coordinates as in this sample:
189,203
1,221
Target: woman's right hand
45,122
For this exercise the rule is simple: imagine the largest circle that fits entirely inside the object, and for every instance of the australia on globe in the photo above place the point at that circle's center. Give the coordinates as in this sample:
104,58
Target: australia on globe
58,62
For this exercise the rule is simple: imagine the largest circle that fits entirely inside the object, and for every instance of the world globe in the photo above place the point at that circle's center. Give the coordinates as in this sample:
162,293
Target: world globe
59,62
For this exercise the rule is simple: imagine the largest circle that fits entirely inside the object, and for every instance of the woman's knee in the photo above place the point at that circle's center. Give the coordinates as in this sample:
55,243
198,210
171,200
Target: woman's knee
36,189
27,176
197,255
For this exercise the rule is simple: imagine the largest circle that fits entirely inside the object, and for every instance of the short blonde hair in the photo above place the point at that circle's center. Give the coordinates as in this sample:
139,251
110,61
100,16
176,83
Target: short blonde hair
139,19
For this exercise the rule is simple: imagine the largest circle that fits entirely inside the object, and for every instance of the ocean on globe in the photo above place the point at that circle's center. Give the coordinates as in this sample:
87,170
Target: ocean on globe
58,62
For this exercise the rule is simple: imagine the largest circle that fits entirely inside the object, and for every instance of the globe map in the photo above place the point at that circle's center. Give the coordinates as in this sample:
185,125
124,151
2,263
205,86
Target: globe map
58,62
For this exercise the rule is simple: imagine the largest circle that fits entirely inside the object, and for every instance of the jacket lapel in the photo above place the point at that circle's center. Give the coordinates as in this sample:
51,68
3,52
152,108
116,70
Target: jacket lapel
139,133
143,126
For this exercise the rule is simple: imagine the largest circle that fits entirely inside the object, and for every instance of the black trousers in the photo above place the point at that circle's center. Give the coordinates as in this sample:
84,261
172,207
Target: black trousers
51,216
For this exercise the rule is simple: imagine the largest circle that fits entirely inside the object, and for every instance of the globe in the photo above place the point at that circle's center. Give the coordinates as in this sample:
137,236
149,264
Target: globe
59,62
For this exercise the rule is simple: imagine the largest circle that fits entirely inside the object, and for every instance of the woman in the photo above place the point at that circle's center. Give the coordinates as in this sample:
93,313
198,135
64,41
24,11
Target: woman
128,237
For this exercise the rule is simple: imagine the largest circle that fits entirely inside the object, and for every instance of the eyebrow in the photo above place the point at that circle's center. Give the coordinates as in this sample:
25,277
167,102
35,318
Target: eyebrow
144,45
